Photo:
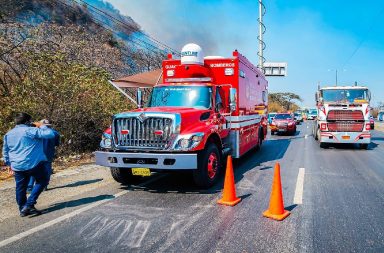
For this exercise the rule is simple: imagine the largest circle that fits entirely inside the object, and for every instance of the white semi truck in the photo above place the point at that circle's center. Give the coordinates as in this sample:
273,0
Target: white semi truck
343,116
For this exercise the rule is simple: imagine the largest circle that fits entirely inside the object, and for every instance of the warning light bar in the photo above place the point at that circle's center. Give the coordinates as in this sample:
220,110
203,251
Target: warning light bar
185,80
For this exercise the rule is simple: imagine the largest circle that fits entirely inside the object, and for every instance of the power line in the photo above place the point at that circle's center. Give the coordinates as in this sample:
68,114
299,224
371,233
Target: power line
100,22
124,24
364,38
128,26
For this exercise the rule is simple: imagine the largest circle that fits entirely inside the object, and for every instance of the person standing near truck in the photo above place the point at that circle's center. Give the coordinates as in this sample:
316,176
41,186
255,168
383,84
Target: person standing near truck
23,152
49,151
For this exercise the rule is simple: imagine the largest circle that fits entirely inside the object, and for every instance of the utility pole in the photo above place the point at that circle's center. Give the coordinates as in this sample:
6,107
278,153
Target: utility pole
260,37
336,77
268,68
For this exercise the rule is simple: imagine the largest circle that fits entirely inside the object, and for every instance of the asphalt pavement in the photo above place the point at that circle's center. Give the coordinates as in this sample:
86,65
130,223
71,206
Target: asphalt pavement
340,208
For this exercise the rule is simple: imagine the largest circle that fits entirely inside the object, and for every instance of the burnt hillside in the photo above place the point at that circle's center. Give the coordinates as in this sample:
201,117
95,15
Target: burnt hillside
56,57
64,12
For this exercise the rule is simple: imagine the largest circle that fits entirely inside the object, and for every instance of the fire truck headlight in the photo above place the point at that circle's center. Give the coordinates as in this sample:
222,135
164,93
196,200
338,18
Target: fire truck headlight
189,141
106,141
184,143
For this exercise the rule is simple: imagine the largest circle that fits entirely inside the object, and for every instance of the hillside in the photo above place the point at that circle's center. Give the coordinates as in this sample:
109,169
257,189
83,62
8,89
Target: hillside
55,59
62,12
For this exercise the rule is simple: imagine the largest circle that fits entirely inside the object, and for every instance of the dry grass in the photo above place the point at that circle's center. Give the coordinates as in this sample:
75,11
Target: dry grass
61,163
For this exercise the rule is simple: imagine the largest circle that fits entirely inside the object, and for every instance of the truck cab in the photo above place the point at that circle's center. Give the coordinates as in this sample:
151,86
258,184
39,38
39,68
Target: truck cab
343,115
202,110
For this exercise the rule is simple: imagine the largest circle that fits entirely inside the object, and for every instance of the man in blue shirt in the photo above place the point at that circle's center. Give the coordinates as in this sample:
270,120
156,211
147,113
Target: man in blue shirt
23,151
49,147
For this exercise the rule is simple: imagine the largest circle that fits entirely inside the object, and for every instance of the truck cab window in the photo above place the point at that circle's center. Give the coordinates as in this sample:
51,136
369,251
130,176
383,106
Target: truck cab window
218,100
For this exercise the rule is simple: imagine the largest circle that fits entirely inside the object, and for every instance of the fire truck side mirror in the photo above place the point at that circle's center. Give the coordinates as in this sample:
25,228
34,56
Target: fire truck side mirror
232,99
139,98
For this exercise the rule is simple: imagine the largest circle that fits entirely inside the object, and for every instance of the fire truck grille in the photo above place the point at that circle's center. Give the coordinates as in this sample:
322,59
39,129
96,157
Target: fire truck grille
151,132
345,126
345,115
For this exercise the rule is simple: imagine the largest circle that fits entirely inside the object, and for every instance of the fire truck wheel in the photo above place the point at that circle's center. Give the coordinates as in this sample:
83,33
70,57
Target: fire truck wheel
324,145
209,166
124,176
260,139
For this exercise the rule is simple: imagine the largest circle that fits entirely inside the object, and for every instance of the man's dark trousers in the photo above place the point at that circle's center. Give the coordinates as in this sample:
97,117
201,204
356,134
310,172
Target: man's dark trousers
41,174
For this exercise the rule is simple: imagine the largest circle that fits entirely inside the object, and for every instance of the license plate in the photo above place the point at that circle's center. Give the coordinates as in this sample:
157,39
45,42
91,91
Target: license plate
145,172
345,137
281,130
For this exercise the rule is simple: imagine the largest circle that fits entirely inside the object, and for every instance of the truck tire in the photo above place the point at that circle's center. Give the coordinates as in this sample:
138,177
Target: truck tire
124,176
208,166
316,134
260,139
324,145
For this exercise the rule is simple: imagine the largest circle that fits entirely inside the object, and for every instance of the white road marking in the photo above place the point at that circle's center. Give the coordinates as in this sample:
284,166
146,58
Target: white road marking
139,233
298,198
306,136
67,216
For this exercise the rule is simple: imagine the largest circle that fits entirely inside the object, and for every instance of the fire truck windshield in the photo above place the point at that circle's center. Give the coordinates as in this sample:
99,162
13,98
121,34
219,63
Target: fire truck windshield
345,95
181,96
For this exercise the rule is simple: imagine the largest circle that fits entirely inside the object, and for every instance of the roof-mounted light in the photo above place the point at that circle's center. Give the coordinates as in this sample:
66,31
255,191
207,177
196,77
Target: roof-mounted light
170,72
186,80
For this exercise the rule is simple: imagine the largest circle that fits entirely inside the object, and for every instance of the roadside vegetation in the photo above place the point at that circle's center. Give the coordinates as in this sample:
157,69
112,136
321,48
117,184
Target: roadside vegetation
55,63
283,102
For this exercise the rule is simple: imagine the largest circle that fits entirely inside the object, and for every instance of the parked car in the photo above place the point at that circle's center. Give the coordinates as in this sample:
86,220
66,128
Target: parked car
271,116
298,118
283,123
372,122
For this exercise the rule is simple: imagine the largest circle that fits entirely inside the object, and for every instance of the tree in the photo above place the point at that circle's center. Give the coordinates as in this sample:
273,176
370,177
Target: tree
285,100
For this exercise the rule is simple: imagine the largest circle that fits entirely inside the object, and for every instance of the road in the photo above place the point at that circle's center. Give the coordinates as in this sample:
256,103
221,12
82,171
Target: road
340,210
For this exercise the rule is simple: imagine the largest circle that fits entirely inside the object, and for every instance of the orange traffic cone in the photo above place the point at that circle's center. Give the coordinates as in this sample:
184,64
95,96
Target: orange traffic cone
229,192
276,205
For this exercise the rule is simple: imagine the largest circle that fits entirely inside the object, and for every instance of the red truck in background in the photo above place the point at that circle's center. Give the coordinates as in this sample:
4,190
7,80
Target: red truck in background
203,110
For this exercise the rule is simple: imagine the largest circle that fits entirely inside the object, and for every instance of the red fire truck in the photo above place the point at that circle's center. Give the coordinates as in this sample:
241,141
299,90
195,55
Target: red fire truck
203,110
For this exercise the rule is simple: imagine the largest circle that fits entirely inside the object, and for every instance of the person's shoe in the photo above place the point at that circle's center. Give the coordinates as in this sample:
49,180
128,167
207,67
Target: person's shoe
29,210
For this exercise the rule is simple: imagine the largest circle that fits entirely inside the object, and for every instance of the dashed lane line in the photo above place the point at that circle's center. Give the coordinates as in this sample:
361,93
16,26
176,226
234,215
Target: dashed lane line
298,198
69,215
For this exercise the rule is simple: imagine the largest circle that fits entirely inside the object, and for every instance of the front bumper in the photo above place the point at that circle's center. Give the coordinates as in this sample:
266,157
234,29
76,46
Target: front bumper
161,161
282,129
340,137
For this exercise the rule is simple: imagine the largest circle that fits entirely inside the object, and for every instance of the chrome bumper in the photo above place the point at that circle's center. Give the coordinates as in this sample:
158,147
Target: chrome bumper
161,161
337,137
